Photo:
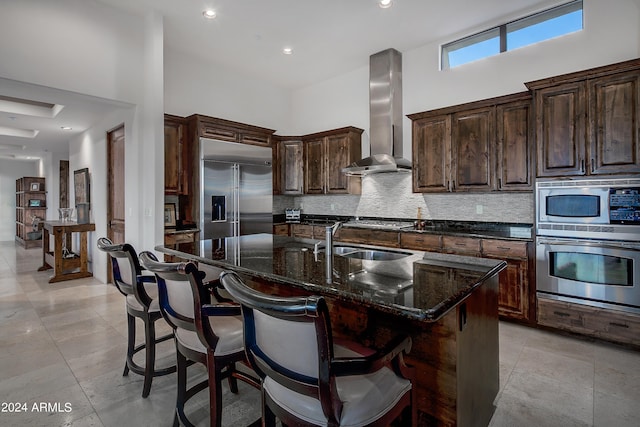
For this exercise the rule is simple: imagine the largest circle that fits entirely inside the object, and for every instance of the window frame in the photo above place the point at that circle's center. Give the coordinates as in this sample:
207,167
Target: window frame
504,30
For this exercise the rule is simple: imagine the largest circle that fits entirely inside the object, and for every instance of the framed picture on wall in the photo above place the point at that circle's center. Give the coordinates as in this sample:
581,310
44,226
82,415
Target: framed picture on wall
81,185
169,214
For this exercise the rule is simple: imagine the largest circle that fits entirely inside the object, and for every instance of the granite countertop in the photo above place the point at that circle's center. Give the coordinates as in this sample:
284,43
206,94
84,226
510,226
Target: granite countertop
497,230
411,286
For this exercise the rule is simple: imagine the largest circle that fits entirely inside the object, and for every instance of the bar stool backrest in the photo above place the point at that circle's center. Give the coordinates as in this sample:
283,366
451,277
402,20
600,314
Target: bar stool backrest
174,290
126,268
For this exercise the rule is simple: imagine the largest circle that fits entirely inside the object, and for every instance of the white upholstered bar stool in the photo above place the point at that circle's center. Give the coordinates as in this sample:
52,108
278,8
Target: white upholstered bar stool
141,297
307,380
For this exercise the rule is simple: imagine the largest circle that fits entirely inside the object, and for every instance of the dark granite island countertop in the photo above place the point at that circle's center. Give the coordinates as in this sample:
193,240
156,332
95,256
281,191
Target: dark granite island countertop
447,304
418,285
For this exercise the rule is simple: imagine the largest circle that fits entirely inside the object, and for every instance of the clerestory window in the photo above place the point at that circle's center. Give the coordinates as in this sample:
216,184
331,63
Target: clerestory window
554,22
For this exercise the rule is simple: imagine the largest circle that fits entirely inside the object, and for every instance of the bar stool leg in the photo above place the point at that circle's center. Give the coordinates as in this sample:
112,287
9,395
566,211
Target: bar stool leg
131,342
150,353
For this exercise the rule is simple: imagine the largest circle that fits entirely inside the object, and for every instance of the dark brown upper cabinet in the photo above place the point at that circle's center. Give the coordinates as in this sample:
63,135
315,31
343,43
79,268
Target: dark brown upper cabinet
514,124
431,153
473,146
175,157
479,146
325,155
289,166
588,122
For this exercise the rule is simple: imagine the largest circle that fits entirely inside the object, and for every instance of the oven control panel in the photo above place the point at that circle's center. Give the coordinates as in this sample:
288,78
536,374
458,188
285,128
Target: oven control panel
624,205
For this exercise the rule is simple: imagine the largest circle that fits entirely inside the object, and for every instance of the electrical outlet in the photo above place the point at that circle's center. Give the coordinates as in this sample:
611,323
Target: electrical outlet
479,209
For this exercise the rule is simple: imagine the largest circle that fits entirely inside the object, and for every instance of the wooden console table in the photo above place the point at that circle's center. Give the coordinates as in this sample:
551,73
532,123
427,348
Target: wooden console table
66,265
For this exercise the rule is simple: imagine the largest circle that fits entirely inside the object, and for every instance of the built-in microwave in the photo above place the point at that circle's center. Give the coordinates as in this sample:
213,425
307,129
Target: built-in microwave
606,208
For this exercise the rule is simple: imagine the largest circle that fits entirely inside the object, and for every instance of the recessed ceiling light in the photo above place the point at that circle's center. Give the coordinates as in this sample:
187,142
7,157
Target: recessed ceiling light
209,13
384,3
66,128
287,51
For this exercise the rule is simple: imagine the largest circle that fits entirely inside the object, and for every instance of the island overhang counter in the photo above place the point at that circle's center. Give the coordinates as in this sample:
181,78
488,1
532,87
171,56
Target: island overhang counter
447,303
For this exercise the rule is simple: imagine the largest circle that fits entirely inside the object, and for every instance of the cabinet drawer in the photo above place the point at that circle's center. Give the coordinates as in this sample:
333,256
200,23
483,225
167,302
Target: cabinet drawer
302,230
281,229
504,249
612,325
211,130
172,239
255,138
368,237
420,241
461,245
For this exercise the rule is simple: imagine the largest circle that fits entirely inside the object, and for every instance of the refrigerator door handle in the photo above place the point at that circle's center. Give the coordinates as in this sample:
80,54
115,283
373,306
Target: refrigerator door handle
236,200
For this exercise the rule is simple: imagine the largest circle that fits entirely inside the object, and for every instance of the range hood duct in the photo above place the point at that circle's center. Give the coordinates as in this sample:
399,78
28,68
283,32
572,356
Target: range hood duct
385,116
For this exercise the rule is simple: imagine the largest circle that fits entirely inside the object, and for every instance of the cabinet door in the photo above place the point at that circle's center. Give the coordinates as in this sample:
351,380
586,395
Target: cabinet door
513,124
339,156
614,122
472,143
513,296
173,139
513,299
561,129
291,163
432,154
314,158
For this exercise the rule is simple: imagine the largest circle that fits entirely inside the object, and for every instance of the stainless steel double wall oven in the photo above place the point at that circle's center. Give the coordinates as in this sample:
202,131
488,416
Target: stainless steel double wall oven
588,241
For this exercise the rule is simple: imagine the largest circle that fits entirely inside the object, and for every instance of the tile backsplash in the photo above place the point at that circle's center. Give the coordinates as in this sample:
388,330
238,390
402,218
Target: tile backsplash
389,195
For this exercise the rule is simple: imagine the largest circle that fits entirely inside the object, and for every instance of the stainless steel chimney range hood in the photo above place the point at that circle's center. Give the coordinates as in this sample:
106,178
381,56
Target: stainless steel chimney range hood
385,115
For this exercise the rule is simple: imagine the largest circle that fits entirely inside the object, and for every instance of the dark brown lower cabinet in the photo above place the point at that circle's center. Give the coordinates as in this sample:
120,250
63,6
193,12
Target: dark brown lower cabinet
611,325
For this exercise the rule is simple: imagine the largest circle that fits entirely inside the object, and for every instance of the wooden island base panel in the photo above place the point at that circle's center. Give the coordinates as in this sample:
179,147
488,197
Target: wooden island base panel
447,304
65,268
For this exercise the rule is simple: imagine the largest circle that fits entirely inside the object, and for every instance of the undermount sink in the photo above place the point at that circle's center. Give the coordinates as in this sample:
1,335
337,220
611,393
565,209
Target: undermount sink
343,250
368,254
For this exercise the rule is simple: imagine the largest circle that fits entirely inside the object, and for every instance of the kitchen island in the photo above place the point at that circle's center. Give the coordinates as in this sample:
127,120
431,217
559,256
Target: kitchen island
446,303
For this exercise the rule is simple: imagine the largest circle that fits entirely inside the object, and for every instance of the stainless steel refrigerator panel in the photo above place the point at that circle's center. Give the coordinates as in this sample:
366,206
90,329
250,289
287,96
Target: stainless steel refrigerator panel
256,200
218,196
236,189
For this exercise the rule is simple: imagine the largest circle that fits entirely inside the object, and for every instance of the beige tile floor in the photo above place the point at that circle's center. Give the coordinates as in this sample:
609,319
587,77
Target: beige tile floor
63,345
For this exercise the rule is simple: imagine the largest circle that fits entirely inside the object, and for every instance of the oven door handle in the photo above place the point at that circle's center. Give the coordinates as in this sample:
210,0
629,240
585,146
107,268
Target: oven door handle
591,243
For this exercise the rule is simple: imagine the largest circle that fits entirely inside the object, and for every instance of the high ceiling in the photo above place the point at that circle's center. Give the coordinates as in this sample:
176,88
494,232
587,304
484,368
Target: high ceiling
328,38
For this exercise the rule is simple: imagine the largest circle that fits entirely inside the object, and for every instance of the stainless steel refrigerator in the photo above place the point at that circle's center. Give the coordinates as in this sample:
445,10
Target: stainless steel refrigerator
236,189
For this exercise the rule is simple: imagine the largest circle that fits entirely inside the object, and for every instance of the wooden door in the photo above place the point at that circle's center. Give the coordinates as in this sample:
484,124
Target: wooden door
431,154
292,167
513,124
314,158
473,150
115,185
614,123
561,129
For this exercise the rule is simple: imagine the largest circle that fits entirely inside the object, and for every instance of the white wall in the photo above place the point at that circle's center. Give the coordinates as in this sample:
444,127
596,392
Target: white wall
192,86
77,45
